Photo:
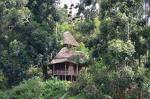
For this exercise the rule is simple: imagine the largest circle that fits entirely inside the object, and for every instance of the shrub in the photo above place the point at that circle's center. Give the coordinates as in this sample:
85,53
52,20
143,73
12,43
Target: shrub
2,95
35,88
54,89
2,80
91,91
34,71
85,85
30,89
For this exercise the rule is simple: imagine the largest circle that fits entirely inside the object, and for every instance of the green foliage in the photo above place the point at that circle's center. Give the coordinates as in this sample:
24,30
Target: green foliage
41,38
34,71
27,90
2,95
35,88
16,48
81,48
15,62
26,32
80,96
2,80
91,91
85,78
54,89
62,14
118,21
85,85
118,46
98,80
85,27
88,8
125,78
44,11
62,27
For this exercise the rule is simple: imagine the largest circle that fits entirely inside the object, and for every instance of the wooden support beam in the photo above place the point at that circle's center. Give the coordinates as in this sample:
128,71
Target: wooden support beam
77,69
65,71
71,77
53,70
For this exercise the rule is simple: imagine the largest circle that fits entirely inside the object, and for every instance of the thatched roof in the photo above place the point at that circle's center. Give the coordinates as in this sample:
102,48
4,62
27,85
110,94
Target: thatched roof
69,39
66,55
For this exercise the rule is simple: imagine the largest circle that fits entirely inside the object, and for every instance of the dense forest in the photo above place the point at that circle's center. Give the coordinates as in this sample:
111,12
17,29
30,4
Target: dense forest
114,35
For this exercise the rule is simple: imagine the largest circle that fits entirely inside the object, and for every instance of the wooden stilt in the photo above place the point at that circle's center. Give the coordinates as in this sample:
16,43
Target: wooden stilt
53,70
77,69
77,73
65,71
71,78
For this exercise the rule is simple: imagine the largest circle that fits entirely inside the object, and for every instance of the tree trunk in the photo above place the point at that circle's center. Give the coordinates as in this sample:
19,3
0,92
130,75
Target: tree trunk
139,60
147,52
121,94
140,94
45,74
116,95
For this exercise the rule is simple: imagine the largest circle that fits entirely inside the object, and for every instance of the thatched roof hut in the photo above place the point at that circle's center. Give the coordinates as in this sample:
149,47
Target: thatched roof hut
66,64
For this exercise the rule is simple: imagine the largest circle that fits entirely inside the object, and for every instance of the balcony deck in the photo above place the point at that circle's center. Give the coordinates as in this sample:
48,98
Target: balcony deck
62,72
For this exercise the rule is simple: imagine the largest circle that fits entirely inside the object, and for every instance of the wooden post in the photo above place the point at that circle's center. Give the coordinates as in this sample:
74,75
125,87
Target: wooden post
71,77
77,69
65,71
77,73
53,70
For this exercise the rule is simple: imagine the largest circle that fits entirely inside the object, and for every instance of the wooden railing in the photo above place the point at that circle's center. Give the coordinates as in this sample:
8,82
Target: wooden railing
61,72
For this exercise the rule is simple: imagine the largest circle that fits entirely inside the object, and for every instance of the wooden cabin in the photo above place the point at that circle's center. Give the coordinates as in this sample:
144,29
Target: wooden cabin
65,64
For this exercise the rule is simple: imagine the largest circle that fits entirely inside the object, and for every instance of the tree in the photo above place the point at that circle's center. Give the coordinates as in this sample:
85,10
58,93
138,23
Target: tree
116,42
27,32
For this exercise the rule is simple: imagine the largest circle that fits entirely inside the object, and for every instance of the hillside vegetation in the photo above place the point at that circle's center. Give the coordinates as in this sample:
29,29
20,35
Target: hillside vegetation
114,35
